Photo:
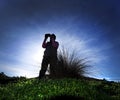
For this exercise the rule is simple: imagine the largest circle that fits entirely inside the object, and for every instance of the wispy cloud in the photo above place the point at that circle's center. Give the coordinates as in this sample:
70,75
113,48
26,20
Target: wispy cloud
94,54
25,62
82,47
19,70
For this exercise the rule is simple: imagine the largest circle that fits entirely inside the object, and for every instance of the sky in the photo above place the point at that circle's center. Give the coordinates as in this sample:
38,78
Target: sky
91,27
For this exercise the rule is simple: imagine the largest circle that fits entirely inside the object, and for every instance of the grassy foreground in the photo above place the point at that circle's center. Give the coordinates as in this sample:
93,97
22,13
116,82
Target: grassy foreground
45,89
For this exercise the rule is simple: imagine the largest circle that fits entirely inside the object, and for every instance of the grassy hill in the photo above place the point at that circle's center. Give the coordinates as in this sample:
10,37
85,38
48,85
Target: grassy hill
57,89
69,82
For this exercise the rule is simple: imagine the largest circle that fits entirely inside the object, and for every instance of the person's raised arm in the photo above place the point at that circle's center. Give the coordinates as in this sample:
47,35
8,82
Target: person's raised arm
44,41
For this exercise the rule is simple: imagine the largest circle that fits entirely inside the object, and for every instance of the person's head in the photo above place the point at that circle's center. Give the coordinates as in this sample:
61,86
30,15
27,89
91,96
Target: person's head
52,36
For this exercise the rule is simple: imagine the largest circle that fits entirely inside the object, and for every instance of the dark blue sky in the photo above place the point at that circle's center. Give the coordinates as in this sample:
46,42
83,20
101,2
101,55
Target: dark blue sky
90,26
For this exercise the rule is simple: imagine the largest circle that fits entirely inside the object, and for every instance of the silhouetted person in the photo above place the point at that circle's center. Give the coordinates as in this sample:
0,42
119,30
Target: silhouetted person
50,55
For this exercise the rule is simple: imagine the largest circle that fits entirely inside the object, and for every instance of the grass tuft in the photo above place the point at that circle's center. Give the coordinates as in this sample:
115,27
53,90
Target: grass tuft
69,65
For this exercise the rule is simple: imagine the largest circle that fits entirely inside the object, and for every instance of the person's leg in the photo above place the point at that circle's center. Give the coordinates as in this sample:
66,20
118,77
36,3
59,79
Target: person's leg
53,65
44,66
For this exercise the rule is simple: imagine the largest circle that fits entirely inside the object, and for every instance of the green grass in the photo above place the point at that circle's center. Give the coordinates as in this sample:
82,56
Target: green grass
33,89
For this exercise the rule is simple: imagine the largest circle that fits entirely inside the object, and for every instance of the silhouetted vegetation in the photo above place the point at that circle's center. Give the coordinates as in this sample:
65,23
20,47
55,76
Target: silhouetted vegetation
4,79
70,66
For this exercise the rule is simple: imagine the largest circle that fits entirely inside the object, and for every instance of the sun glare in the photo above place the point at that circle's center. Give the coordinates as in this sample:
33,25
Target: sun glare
32,51
31,54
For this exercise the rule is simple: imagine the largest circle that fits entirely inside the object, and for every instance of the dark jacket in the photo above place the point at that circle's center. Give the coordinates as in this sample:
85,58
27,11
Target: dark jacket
51,48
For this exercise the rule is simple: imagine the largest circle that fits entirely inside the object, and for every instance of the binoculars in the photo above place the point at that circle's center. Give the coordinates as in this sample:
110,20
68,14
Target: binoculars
50,35
47,35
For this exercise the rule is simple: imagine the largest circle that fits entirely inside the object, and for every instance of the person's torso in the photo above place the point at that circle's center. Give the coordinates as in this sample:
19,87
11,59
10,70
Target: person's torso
50,50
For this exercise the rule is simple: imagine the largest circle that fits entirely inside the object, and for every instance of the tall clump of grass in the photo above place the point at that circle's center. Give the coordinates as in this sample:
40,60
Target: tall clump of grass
70,65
